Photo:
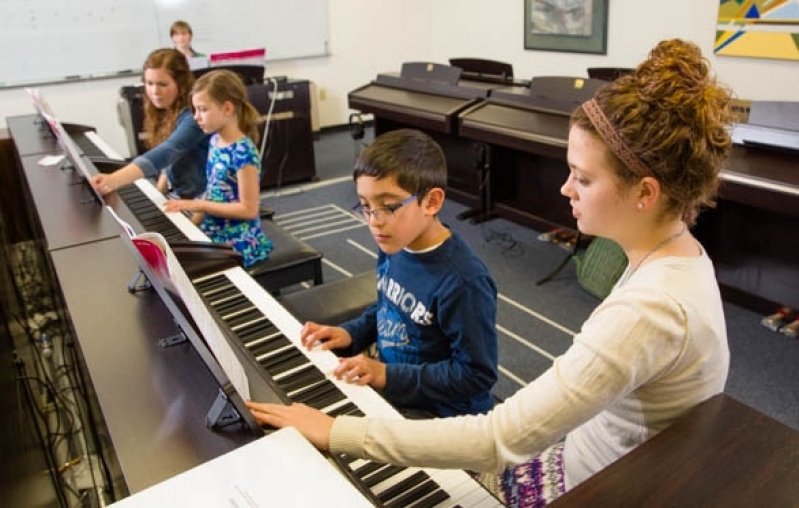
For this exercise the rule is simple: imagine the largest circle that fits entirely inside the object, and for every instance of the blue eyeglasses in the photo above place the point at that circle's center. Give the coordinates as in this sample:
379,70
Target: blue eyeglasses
384,213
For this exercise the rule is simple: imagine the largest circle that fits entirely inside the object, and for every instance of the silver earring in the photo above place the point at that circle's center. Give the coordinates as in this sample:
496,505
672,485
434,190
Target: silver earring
640,206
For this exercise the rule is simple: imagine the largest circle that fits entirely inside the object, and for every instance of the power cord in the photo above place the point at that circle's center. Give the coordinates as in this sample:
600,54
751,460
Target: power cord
268,116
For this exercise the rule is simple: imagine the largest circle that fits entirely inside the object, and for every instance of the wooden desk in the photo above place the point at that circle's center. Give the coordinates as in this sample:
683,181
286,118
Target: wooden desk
722,453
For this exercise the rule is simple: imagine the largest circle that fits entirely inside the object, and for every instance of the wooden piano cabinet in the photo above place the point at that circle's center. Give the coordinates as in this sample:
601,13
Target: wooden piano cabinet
12,194
721,453
751,235
526,190
288,156
464,177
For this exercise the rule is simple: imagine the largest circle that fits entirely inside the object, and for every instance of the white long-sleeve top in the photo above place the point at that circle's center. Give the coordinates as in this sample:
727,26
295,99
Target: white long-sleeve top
654,348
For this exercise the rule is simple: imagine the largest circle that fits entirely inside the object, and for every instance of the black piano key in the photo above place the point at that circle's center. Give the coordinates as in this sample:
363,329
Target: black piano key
321,396
238,320
283,361
255,331
414,494
382,475
235,304
404,485
259,332
306,376
262,348
348,409
308,390
170,236
212,284
150,216
221,294
367,469
434,499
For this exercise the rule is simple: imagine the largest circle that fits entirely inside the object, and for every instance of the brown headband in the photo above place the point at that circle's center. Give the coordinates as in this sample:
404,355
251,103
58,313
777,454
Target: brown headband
612,137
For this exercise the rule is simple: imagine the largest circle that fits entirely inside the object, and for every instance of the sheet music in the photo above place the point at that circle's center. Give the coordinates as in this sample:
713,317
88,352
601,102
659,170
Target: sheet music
208,326
206,323
281,469
124,225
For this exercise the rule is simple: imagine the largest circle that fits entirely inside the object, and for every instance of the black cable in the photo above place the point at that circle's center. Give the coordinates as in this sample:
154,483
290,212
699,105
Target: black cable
72,409
83,390
52,468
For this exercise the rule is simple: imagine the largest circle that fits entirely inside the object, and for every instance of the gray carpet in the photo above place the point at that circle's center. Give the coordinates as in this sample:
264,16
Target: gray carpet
535,322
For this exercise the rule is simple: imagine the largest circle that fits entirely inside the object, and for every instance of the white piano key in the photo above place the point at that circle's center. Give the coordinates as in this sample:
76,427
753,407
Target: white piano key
180,221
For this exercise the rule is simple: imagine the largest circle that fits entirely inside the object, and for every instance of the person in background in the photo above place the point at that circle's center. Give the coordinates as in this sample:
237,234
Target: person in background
178,147
434,320
644,156
181,34
229,212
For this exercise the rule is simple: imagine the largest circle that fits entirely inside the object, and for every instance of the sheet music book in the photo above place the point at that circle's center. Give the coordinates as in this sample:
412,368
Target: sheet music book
157,253
280,469
244,57
73,153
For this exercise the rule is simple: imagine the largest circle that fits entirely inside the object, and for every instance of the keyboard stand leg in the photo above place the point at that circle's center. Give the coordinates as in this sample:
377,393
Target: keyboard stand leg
134,286
222,413
484,212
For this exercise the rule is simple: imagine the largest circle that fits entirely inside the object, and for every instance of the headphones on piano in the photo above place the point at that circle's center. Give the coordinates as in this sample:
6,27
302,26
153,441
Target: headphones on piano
356,127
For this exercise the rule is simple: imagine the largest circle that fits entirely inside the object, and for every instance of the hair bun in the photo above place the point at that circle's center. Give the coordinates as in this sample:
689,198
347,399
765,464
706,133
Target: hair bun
675,77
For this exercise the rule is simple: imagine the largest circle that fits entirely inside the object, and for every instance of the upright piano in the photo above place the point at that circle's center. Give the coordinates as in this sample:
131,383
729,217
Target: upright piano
751,233
526,130
428,97
287,149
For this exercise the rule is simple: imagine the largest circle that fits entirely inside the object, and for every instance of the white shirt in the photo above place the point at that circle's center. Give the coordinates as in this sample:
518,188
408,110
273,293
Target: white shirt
656,347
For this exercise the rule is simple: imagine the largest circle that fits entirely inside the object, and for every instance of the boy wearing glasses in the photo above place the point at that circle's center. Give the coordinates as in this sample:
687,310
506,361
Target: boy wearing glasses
434,319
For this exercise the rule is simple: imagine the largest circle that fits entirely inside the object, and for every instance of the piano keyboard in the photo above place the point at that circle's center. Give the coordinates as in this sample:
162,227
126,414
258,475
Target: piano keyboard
147,205
93,145
271,335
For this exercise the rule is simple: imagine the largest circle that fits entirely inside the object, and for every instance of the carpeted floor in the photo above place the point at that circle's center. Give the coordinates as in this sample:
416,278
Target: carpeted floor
535,322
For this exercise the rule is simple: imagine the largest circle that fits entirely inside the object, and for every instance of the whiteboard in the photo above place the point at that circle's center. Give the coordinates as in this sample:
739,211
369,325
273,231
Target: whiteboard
44,41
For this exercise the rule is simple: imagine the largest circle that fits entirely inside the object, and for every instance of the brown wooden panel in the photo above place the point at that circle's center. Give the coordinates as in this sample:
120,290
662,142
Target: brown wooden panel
722,453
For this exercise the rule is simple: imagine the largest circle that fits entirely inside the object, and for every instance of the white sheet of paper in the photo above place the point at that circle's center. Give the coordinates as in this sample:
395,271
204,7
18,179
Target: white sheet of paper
51,160
208,326
281,469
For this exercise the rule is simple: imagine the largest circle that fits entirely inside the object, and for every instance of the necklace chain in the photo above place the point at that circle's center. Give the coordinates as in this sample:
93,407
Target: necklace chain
658,247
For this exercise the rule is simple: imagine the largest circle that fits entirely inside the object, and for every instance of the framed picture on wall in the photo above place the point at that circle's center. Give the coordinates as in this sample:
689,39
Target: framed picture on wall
575,26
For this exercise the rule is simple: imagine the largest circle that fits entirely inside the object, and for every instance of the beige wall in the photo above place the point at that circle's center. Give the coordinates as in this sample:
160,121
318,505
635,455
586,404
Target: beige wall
370,36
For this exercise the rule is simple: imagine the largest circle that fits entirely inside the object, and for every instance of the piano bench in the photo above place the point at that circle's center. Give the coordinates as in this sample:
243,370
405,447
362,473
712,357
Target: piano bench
266,212
334,302
291,261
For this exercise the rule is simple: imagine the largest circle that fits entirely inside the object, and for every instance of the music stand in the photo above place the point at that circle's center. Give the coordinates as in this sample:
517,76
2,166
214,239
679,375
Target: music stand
249,74
608,73
480,69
